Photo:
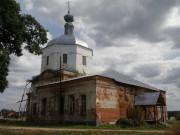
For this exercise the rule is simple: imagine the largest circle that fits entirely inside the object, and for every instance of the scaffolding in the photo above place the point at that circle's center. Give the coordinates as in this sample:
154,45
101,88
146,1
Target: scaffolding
22,109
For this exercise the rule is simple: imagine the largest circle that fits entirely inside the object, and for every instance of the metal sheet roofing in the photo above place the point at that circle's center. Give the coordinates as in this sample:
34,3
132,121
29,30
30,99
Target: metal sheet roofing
113,75
63,40
124,79
149,98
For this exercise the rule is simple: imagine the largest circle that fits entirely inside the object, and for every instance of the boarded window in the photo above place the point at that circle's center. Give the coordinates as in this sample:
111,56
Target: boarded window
84,60
65,57
71,104
83,104
47,60
43,106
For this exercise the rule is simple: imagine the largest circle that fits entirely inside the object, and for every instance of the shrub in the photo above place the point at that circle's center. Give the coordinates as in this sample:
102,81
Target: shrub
136,114
127,122
134,119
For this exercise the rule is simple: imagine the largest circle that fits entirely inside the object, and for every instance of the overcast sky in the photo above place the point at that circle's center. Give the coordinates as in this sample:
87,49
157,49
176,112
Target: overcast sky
137,38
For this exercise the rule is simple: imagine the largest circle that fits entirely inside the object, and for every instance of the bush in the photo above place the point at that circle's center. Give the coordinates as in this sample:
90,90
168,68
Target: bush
134,119
127,122
136,114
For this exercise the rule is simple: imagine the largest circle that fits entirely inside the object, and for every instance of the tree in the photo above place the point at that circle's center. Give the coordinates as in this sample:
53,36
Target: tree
4,113
4,63
15,29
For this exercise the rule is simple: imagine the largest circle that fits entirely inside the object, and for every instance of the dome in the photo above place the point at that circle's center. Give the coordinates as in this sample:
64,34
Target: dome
64,39
81,42
68,37
68,17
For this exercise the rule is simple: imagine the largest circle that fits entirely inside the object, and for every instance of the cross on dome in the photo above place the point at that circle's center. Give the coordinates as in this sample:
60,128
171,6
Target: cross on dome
68,18
68,6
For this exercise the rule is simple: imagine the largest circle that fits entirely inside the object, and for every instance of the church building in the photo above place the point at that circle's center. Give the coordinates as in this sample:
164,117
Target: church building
66,92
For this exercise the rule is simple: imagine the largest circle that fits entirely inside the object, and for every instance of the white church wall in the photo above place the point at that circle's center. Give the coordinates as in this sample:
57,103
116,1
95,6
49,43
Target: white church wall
54,52
75,54
83,51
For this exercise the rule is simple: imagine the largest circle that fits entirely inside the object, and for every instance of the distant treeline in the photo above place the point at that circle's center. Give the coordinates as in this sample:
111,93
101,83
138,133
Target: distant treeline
175,114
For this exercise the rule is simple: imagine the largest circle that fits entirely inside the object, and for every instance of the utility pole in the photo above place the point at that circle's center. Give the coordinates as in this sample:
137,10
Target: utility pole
60,87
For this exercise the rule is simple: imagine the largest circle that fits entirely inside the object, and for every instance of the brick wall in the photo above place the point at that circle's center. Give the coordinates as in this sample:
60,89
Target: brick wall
113,100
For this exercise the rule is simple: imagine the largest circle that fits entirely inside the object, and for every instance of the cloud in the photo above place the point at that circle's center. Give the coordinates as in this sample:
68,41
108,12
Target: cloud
23,68
44,10
28,5
10,98
130,19
148,70
172,18
137,19
173,35
49,36
173,76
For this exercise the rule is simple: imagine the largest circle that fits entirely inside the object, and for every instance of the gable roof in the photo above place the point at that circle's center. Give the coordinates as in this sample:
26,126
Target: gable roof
113,75
124,79
150,98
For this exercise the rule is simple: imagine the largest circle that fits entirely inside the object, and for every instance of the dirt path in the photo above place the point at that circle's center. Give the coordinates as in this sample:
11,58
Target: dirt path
79,130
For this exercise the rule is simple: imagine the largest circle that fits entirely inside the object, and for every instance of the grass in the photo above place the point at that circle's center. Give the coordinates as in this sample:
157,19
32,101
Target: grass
27,132
106,126
175,128
96,132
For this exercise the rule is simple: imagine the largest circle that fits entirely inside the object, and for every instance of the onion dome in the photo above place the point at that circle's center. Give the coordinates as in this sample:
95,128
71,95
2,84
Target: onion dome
69,17
68,37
